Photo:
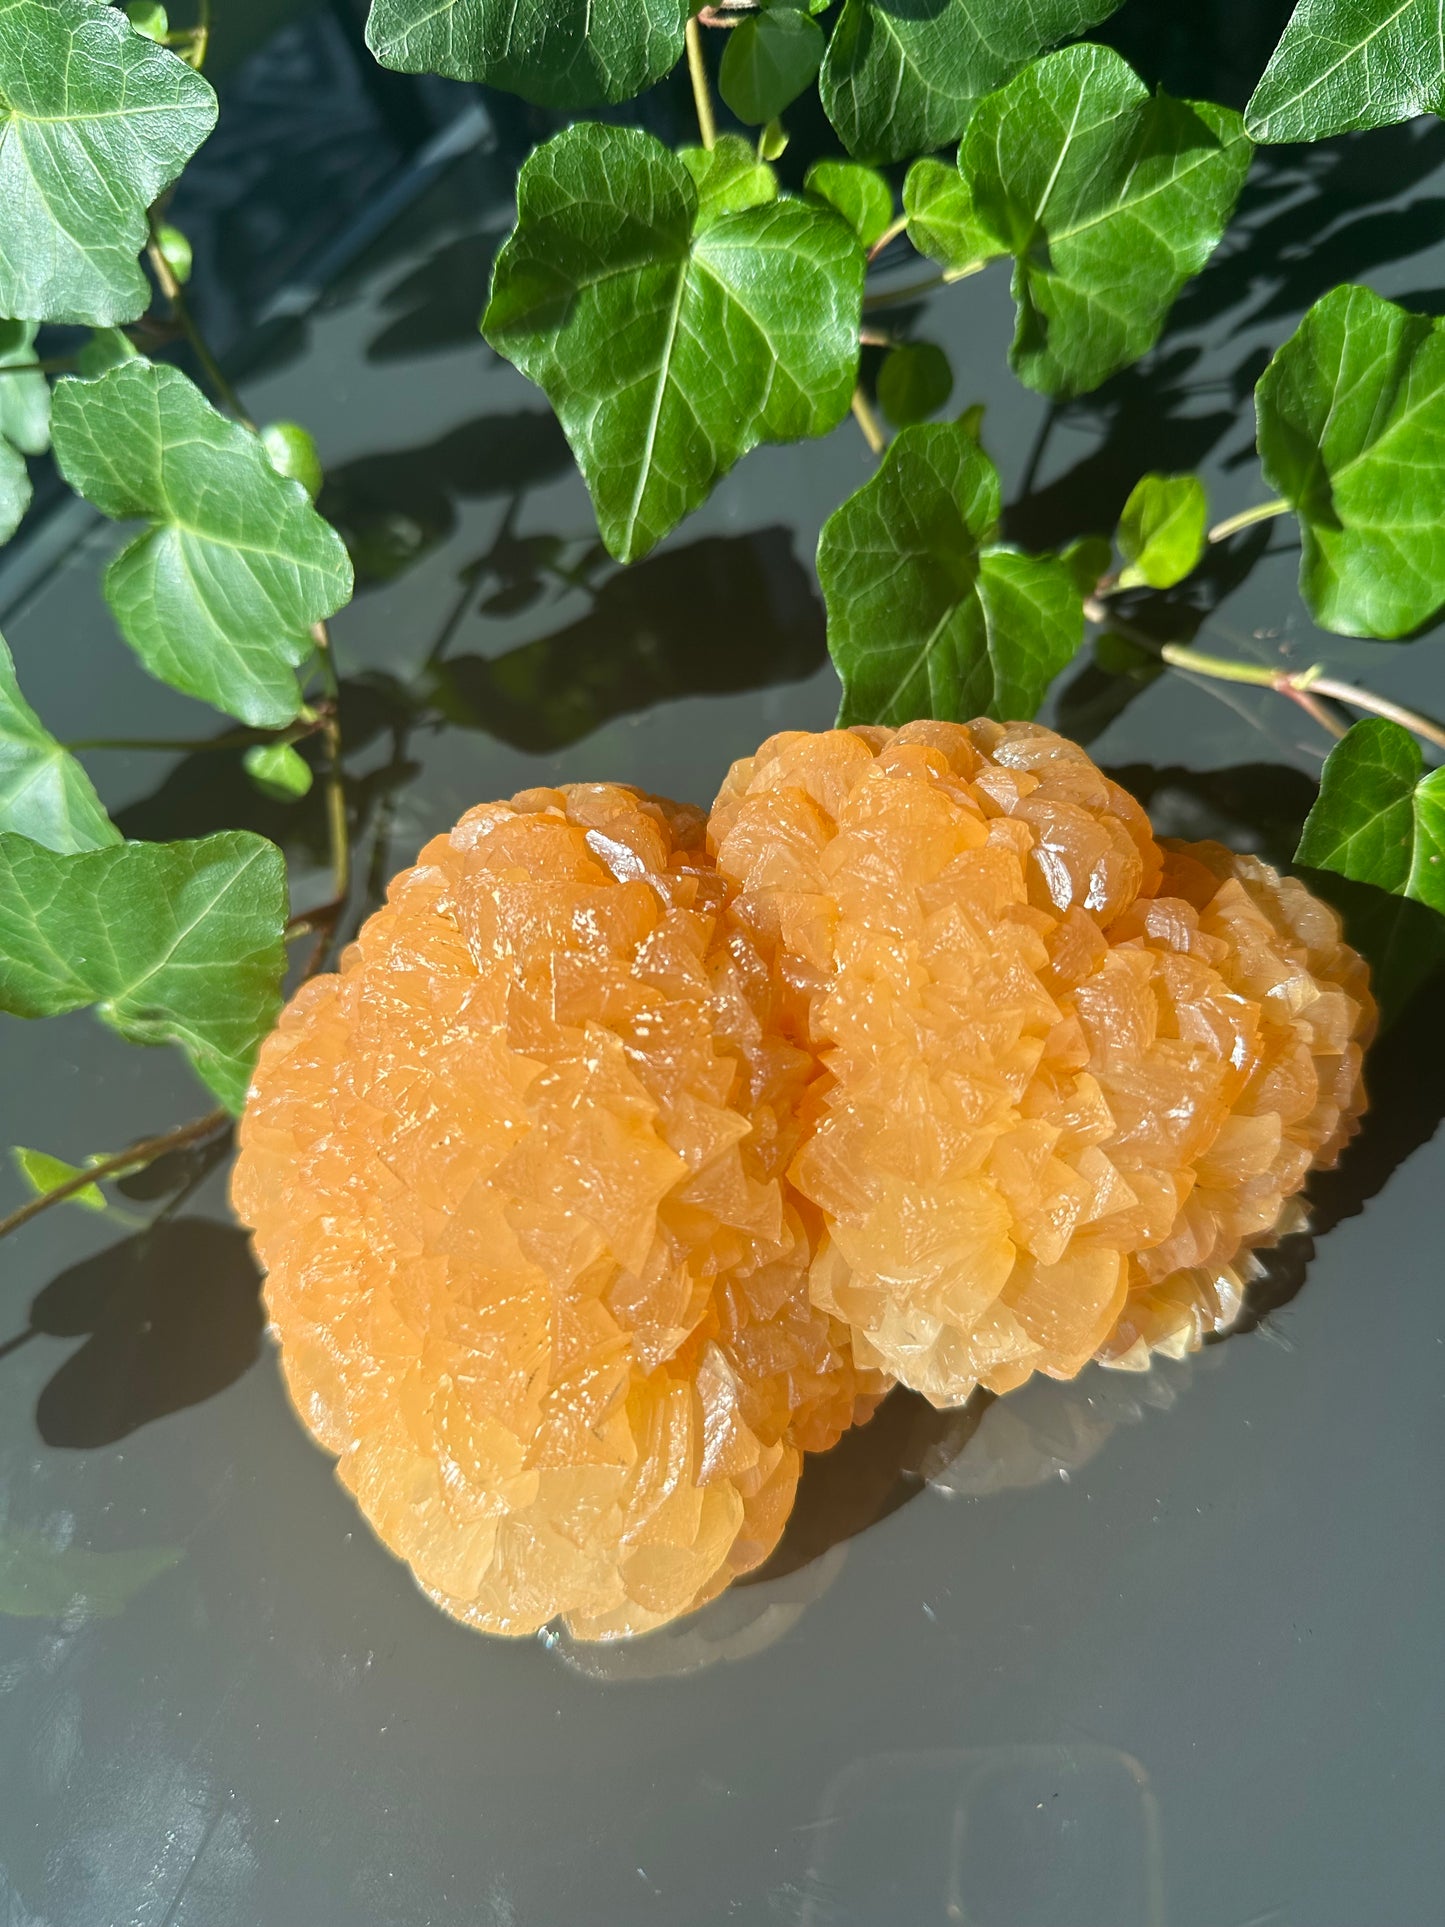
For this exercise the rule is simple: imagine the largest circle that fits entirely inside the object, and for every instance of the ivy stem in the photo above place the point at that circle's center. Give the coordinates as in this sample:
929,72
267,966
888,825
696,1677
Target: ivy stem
57,365
180,308
701,95
913,290
1312,682
338,832
1246,519
242,738
890,233
867,420
140,1154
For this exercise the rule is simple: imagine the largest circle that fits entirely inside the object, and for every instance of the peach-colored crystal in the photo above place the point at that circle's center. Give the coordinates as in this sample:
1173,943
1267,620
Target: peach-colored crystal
516,1173
1067,1077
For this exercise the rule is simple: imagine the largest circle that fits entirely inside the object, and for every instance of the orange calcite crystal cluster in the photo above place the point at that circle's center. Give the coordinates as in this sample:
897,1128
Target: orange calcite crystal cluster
630,1155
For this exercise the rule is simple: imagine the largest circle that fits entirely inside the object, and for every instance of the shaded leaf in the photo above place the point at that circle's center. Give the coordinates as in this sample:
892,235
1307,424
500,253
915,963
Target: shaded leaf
558,53
1108,198
940,212
178,942
107,348
1379,818
860,195
1351,428
24,399
1087,560
44,792
899,80
1162,531
670,344
96,121
770,57
44,1173
925,616
218,595
1345,64
15,490
914,382
39,1580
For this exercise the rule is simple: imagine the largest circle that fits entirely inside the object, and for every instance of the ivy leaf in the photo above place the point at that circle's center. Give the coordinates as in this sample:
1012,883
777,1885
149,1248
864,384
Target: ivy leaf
1379,818
1351,429
557,53
860,195
96,121
44,792
914,382
901,79
728,176
670,339
1109,198
1162,531
926,617
940,212
768,61
218,595
1347,64
44,1173
24,399
14,490
278,771
173,942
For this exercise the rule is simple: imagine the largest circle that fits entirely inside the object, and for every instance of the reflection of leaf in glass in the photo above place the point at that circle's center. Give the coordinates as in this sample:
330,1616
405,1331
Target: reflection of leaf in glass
41,1581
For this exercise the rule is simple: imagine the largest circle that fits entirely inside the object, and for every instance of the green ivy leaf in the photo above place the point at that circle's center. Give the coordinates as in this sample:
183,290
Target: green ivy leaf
173,942
1346,64
899,80
278,771
44,792
859,194
24,399
148,17
1087,560
1351,429
107,348
670,343
940,212
914,382
728,177
558,53
44,1173
292,451
770,57
217,597
926,616
1109,198
1379,818
96,121
1162,531
15,490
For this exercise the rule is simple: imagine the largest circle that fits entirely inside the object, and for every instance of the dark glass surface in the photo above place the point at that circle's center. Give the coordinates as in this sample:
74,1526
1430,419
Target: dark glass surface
1127,1652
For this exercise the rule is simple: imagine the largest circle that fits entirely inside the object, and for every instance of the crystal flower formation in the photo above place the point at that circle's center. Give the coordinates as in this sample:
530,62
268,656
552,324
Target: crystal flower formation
632,1153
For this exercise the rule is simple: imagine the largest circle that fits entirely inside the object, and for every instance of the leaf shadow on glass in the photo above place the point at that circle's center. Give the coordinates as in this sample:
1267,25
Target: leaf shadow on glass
436,306
880,1466
392,507
169,1318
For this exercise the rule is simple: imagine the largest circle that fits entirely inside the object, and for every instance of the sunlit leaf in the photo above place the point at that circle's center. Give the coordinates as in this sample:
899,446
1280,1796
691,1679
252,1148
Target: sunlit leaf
670,343
914,382
44,1174
728,177
927,615
44,792
1343,64
770,57
1107,196
39,1580
559,53
860,194
1162,531
172,942
1351,420
217,596
278,771
1379,818
901,79
291,451
96,121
